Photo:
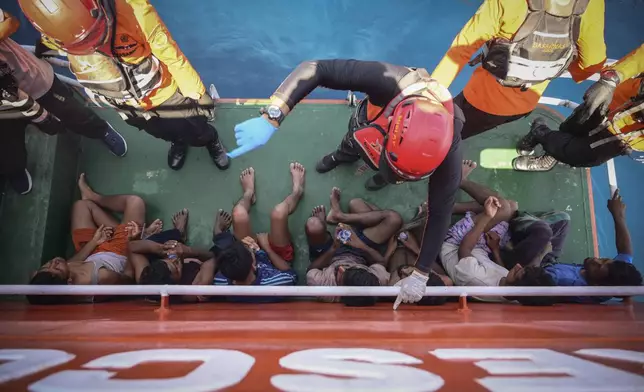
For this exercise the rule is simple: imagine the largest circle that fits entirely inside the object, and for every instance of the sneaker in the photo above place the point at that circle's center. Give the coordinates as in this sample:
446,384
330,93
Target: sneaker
541,163
21,182
177,155
218,154
375,183
115,141
327,163
526,145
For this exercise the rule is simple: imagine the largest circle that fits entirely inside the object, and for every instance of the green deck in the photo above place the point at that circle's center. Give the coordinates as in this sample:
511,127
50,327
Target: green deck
36,227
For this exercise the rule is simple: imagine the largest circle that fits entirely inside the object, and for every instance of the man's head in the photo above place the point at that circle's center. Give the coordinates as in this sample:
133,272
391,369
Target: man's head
53,272
529,276
162,271
237,262
77,26
609,272
357,276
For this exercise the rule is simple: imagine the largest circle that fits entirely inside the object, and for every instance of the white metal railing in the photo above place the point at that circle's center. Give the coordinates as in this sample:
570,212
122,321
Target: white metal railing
317,291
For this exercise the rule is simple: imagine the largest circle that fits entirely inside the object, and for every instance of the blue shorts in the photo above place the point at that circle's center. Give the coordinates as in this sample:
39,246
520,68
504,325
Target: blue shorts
317,251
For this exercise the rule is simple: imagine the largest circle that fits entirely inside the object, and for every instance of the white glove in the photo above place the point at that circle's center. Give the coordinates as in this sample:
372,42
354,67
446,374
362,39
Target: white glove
412,288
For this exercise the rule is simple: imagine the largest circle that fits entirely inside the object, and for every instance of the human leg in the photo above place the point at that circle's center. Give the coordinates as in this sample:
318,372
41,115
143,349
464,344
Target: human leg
559,222
279,235
86,214
132,207
345,153
317,236
80,119
13,156
241,217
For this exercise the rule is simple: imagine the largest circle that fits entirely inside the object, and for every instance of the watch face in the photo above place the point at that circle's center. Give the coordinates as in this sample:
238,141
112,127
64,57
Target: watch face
274,112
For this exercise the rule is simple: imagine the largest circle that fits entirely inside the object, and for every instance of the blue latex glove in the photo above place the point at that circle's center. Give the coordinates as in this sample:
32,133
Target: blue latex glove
251,134
412,288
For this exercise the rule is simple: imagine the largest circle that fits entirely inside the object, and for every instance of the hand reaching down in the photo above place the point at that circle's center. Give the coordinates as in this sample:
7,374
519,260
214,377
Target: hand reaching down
616,206
492,205
103,234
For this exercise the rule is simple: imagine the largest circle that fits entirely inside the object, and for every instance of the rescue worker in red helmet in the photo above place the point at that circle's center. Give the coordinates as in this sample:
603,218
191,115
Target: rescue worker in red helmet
124,56
406,128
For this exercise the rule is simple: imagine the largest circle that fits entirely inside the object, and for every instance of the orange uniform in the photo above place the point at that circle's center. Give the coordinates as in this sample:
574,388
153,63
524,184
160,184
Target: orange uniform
502,19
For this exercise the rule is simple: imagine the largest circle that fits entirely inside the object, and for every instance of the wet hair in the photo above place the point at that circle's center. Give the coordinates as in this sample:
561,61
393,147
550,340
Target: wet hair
47,278
235,261
156,273
621,273
432,300
534,276
359,277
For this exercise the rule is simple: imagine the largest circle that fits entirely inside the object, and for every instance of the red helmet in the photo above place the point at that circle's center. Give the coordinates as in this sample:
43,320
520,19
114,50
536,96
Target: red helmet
419,135
77,26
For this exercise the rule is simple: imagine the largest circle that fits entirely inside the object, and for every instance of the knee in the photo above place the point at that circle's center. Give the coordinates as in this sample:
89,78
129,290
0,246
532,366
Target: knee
135,201
314,226
83,205
356,204
280,212
394,219
240,214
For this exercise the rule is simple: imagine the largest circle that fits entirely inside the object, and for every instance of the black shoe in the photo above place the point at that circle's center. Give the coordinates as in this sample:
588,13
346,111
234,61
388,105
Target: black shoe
375,183
541,163
526,145
327,163
218,154
21,182
177,155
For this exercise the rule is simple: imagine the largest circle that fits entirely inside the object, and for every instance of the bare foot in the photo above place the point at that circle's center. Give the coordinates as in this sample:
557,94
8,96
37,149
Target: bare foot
319,212
86,192
298,172
180,222
467,167
247,179
336,211
223,220
155,228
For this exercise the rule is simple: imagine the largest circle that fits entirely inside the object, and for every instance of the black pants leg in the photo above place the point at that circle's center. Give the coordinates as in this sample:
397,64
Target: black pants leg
477,121
574,148
347,151
177,121
75,116
13,153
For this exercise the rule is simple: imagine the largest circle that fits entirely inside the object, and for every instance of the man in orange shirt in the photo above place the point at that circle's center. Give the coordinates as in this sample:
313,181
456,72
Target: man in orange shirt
588,137
125,57
526,43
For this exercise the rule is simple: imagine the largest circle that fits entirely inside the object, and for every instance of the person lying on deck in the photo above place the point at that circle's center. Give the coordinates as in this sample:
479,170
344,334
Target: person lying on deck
465,254
358,261
101,243
262,259
164,258
549,231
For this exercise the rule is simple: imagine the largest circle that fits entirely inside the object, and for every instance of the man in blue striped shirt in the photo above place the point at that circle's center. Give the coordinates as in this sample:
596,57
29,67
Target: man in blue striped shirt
263,259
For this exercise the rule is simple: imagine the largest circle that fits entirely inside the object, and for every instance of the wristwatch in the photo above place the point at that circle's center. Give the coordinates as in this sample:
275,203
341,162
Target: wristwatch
273,112
611,76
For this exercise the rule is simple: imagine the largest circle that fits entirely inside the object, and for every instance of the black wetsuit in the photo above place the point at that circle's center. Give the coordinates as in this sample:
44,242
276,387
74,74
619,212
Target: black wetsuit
380,81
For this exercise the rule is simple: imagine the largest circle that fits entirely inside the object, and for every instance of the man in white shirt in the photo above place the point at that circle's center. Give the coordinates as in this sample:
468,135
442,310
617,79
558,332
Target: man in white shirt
36,79
465,254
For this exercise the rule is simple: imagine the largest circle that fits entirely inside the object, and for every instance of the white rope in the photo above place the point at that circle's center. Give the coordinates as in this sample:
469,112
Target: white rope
315,291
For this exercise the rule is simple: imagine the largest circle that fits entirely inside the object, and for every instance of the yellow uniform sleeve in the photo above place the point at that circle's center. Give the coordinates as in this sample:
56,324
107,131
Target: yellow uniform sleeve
482,27
591,47
630,65
166,49
8,24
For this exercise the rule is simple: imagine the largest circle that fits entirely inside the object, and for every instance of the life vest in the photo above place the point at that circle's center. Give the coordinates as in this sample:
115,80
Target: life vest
542,48
370,123
110,80
625,123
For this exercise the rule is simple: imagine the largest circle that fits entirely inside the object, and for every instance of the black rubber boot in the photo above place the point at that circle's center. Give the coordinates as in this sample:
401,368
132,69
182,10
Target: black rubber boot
218,154
526,145
328,163
375,183
177,155
541,163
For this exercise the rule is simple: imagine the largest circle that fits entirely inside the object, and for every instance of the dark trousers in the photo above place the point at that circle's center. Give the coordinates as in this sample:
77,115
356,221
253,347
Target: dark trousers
571,144
478,121
177,120
59,101
530,234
